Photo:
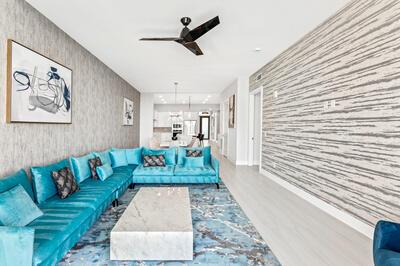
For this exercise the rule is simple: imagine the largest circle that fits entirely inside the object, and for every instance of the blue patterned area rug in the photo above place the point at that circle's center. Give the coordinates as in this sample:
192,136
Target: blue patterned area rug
223,235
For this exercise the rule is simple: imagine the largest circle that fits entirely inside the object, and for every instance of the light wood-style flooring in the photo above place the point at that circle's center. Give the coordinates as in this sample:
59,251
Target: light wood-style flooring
298,233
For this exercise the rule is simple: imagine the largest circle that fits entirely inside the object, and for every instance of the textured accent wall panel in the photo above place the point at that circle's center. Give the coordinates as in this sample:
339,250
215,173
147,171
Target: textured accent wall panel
97,96
334,128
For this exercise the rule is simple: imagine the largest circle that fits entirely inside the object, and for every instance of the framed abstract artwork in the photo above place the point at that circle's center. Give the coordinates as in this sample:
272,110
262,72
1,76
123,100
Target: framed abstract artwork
128,112
39,90
231,122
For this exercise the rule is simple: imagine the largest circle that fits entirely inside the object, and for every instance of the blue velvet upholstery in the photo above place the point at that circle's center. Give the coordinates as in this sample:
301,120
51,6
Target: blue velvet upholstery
205,150
118,158
193,162
104,156
65,221
134,156
215,165
16,246
386,247
20,178
169,154
188,179
168,170
43,184
181,170
104,171
17,207
80,167
178,173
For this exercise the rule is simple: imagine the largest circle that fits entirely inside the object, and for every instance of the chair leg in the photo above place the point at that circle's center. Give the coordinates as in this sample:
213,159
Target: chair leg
217,185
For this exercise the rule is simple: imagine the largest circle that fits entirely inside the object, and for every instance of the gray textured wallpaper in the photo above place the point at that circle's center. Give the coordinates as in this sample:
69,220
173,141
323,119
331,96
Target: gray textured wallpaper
334,128
97,97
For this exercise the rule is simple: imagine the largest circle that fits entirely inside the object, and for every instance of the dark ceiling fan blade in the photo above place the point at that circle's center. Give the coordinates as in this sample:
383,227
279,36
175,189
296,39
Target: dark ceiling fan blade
193,47
160,39
196,33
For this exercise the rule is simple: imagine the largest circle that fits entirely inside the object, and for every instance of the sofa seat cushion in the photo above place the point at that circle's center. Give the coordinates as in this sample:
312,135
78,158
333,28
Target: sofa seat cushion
58,224
206,170
125,169
175,179
167,170
92,194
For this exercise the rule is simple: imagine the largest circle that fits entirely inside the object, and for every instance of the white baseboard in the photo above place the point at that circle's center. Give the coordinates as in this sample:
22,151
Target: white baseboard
331,210
241,163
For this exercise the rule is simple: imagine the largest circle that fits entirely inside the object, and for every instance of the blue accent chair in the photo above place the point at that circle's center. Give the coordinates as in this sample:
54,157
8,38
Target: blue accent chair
387,244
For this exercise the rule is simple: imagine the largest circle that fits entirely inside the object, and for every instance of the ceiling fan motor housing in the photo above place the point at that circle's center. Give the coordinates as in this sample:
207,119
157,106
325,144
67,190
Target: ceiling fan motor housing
186,21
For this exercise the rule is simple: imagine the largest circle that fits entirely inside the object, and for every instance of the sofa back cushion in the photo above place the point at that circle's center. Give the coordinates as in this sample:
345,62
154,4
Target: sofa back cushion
80,167
17,207
193,162
43,184
104,171
104,156
134,156
19,178
206,152
118,158
169,154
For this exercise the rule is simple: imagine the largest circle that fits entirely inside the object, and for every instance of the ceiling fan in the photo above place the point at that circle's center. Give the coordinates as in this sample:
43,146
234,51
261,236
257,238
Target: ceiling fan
188,37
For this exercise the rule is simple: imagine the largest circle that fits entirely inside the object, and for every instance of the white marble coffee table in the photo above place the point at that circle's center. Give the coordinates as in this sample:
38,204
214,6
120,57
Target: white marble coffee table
157,225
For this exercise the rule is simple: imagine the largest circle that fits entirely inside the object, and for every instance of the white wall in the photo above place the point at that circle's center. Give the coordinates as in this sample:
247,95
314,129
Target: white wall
238,136
146,118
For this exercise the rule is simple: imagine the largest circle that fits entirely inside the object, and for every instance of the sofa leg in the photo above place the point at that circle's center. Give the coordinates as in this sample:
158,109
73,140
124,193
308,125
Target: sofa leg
117,202
132,186
217,185
113,203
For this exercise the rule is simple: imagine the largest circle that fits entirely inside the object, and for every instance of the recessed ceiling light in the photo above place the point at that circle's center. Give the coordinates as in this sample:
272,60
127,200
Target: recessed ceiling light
160,96
257,49
183,102
209,96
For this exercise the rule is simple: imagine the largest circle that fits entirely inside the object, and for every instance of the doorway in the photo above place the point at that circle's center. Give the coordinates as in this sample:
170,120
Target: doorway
255,127
205,126
224,128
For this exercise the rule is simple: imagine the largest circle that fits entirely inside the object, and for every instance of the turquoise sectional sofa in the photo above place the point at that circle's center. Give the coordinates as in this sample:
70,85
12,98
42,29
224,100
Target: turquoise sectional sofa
46,240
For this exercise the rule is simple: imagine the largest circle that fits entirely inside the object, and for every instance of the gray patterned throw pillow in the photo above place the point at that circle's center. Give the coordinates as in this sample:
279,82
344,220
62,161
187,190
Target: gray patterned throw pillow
194,153
153,160
94,163
65,182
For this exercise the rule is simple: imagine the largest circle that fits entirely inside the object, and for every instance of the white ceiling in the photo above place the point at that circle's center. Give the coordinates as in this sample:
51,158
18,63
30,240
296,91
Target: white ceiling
183,98
111,30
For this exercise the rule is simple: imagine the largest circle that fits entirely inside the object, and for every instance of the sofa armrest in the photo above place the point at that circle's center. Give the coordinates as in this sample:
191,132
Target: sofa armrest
215,165
16,245
386,237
